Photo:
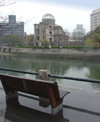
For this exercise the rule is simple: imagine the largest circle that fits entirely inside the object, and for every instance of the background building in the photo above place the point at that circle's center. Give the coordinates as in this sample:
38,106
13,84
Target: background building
12,27
95,19
48,33
78,33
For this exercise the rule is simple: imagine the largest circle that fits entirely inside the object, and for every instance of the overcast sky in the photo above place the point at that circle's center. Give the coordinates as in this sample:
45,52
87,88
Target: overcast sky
67,13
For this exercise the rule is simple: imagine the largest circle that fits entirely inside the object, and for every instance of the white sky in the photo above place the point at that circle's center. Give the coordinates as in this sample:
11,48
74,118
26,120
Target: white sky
31,13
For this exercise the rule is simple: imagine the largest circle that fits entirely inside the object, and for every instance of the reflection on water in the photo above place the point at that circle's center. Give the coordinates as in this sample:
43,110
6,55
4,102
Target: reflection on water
73,68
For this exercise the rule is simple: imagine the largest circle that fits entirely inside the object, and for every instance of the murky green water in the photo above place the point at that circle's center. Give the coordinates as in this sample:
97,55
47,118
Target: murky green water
73,68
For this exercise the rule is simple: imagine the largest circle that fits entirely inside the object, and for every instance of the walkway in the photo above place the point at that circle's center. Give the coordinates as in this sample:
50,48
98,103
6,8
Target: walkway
78,106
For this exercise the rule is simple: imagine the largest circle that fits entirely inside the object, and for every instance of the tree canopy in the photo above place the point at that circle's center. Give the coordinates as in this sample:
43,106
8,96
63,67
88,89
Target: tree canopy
93,38
12,40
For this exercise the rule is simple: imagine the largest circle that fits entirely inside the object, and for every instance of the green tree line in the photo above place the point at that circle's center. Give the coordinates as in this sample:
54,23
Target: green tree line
12,40
93,38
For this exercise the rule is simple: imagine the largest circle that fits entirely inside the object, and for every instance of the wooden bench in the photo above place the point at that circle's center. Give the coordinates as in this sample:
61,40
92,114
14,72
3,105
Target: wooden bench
45,89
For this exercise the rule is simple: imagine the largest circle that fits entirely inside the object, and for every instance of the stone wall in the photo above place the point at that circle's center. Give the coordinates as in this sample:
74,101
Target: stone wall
55,53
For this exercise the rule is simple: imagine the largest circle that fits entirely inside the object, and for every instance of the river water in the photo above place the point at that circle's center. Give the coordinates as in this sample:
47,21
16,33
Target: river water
72,68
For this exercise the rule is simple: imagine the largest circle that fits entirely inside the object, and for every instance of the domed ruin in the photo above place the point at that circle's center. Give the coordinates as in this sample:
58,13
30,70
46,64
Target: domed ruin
48,18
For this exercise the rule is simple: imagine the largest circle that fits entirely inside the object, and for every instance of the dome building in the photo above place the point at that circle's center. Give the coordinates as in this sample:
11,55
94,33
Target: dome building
47,33
48,19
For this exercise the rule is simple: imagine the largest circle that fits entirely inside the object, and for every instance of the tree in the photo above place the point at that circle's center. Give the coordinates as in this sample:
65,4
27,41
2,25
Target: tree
12,40
93,38
96,37
29,40
89,42
45,42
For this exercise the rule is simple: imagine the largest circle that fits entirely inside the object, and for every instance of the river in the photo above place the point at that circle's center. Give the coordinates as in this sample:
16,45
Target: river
72,68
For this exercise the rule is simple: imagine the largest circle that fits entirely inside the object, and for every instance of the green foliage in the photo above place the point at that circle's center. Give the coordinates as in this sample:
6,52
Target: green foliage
30,38
97,30
55,47
73,47
93,39
45,42
12,40
89,42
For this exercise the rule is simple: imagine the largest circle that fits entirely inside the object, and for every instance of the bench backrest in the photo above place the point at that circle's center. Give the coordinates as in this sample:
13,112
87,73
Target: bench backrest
32,86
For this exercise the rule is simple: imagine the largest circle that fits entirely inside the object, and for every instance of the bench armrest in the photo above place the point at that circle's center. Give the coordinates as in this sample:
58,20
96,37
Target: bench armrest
63,93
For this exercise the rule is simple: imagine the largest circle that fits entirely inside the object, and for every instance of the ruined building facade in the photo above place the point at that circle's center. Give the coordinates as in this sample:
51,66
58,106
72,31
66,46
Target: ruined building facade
47,33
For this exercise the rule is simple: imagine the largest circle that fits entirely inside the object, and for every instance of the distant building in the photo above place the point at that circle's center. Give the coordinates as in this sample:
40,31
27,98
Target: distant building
48,33
78,33
95,19
12,27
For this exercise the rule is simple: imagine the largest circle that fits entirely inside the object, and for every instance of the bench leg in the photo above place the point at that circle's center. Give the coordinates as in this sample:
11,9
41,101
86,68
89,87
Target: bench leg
12,95
44,102
57,109
12,99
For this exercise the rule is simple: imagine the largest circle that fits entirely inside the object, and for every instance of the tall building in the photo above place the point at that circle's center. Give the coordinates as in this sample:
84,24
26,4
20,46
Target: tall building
78,33
12,27
48,33
95,19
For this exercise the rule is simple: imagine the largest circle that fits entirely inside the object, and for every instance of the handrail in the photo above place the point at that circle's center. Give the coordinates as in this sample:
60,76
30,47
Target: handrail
54,76
19,71
77,79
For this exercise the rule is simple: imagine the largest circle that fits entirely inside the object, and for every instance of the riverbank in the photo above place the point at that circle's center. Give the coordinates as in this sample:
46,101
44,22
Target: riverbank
52,53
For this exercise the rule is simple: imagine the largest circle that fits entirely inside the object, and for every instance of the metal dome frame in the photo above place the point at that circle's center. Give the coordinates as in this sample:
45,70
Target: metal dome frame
48,16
